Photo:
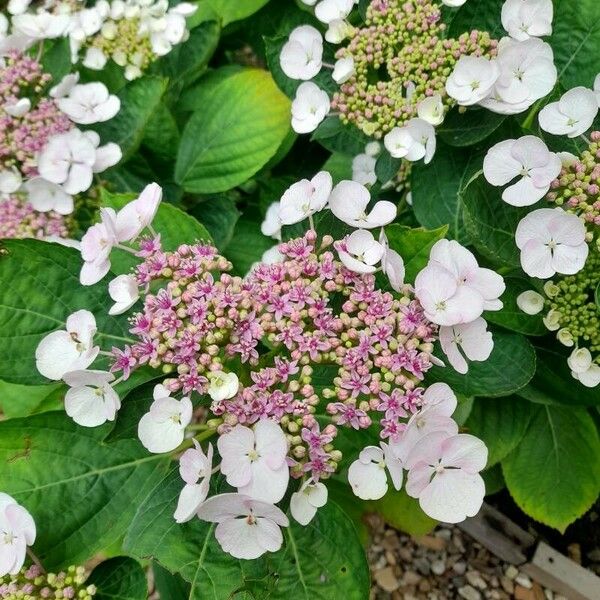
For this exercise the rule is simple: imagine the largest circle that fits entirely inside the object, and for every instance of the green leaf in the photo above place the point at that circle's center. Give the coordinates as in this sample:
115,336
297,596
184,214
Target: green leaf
402,512
387,167
483,15
510,366
56,59
226,11
120,578
554,473
436,189
175,226
247,245
44,291
491,222
553,383
467,128
597,296
161,135
334,136
340,166
82,493
575,38
219,215
187,61
511,316
22,400
319,561
169,586
413,245
494,480
501,423
134,406
243,122
140,99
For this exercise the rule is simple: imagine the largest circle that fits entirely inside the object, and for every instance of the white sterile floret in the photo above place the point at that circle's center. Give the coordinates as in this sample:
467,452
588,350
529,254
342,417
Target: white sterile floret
583,368
467,340
527,158
331,10
572,115
254,460
414,141
363,169
431,110
162,428
138,214
453,3
91,400
89,103
338,30
65,85
246,527
551,241
70,349
41,25
527,73
343,69
18,531
222,386
307,500
194,467
271,225
367,475
392,264
19,108
472,79
309,107
523,19
360,251
530,302
301,56
124,291
349,201
94,59
10,181
304,198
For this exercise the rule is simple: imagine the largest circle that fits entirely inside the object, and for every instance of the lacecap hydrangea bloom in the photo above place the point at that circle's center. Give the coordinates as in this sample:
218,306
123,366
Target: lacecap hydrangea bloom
45,159
559,243
327,337
132,33
399,73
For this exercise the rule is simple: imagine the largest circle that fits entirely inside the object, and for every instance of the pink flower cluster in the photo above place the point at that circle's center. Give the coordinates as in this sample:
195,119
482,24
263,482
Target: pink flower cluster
577,188
19,220
278,329
23,136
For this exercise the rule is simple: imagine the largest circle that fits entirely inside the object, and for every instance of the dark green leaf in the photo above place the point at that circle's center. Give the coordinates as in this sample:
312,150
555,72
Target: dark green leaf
169,586
403,512
247,245
241,126
501,423
554,473
56,59
81,493
23,400
413,245
119,578
333,135
511,316
483,15
219,215
161,135
139,101
386,167
467,128
510,367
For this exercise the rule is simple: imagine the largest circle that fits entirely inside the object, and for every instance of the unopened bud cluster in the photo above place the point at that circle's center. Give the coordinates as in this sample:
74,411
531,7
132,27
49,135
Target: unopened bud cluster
577,189
572,308
400,58
284,328
31,583
18,219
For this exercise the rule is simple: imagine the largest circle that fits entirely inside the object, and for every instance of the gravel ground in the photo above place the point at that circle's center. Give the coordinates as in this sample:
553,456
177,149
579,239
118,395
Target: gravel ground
447,564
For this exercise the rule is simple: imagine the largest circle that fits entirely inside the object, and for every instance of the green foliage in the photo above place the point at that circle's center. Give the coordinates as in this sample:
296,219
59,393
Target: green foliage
21,400
510,367
47,276
121,578
403,512
83,493
240,126
140,99
511,316
318,561
467,128
501,423
226,11
413,245
554,473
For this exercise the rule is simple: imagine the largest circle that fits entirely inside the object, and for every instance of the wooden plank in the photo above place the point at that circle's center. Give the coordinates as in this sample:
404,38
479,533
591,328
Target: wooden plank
500,535
559,573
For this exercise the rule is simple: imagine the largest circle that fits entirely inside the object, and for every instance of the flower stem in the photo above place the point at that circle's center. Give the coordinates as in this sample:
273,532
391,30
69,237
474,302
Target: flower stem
35,559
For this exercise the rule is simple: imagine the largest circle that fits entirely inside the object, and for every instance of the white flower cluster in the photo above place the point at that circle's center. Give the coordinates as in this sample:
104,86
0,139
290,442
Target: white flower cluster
153,21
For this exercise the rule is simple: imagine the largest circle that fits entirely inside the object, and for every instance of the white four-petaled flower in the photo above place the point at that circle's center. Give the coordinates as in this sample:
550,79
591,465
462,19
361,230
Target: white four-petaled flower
523,19
70,349
414,141
472,79
194,466
309,107
572,115
472,340
17,531
360,251
527,158
307,500
89,103
254,460
349,201
300,57
304,198
124,290
367,475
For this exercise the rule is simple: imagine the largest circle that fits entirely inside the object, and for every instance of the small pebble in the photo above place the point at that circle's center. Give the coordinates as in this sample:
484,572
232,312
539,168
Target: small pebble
475,579
469,593
524,581
386,579
438,567
511,571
